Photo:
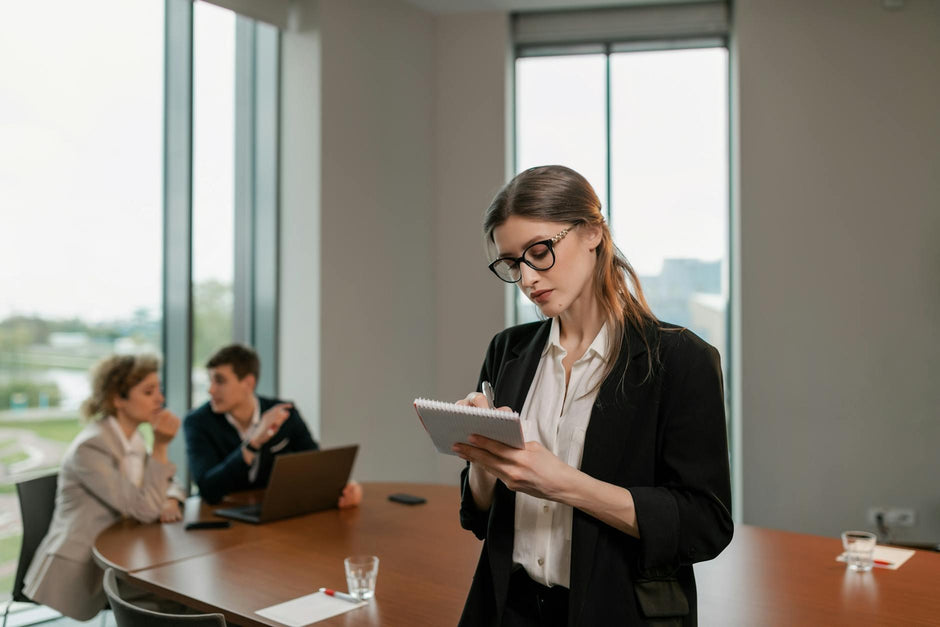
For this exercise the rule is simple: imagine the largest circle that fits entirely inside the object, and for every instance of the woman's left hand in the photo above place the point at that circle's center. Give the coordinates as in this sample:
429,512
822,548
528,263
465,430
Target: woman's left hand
171,511
533,470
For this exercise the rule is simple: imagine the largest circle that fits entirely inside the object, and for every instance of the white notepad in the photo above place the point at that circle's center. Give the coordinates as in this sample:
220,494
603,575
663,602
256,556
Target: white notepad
449,423
308,609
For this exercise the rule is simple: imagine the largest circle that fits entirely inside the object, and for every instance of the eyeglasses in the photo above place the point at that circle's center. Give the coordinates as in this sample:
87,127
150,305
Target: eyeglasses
538,256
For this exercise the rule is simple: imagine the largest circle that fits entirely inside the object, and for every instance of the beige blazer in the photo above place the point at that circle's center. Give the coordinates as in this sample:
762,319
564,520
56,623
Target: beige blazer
92,495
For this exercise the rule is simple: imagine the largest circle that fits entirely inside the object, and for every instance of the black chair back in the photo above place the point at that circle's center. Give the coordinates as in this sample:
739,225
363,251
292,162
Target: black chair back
128,615
37,502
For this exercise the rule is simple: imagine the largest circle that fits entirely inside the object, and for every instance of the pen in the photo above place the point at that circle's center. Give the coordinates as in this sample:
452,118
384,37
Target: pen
339,595
883,563
487,390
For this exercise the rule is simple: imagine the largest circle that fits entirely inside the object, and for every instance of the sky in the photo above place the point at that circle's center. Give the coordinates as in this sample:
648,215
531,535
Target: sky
81,158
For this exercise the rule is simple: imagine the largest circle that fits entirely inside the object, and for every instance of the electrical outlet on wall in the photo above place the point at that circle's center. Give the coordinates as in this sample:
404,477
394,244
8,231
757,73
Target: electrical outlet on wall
893,516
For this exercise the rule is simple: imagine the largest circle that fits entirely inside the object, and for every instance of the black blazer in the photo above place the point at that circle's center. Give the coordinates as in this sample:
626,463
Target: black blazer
662,436
215,456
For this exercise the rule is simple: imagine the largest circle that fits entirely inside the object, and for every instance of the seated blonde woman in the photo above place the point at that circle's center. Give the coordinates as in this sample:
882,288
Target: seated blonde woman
106,475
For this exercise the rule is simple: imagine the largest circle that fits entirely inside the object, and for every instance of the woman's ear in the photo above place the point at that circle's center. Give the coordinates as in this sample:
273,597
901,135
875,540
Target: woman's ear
592,235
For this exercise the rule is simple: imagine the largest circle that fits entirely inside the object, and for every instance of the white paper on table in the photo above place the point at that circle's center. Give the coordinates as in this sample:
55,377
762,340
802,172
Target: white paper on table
308,609
893,555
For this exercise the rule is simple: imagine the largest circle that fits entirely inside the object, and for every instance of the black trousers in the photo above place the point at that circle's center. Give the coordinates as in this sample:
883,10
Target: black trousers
530,604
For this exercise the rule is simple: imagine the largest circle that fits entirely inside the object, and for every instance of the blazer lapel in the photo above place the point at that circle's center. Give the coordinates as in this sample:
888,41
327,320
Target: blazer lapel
515,376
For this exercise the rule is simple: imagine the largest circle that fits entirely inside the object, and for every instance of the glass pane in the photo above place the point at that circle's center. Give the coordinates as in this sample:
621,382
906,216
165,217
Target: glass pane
80,202
669,193
213,186
561,118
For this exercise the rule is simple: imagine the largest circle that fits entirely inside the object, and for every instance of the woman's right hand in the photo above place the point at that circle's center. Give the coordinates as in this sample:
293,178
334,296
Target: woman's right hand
165,426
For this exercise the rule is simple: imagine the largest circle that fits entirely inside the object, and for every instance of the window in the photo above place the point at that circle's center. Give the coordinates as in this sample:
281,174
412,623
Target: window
80,198
649,130
97,254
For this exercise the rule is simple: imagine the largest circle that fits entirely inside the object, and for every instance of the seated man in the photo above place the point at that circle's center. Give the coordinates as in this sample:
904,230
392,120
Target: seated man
231,440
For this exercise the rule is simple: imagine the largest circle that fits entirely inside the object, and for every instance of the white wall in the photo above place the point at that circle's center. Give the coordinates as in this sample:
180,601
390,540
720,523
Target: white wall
840,233
404,146
472,73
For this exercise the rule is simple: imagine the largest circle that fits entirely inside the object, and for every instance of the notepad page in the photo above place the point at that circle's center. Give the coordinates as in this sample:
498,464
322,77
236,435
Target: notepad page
308,609
449,423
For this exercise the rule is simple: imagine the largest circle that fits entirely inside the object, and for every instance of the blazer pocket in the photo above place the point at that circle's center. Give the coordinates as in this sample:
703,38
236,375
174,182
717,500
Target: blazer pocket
661,598
280,445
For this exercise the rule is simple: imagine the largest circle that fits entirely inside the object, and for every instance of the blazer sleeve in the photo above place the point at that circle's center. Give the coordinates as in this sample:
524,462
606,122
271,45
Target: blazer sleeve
215,474
94,466
471,517
686,517
300,438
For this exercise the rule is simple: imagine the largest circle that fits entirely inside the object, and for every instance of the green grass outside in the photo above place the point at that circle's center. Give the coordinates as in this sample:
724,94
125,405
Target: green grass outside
58,429
12,458
9,553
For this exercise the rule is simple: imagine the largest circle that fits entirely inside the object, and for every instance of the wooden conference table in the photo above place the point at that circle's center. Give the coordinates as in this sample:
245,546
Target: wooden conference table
764,577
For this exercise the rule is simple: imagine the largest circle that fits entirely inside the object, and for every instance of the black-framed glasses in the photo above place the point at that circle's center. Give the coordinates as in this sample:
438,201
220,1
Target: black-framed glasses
538,256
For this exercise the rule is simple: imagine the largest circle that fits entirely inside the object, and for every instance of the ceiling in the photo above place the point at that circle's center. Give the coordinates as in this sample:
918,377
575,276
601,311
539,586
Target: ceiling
465,6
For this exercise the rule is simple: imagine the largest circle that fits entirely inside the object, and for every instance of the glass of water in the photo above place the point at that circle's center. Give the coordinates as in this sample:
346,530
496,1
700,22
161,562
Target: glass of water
859,549
361,571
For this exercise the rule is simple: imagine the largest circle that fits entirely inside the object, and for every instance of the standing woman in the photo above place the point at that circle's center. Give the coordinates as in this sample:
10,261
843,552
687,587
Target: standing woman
106,475
623,483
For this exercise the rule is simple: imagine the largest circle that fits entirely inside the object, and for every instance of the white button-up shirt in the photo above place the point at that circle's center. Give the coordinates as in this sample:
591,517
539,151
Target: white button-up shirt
557,417
244,434
135,453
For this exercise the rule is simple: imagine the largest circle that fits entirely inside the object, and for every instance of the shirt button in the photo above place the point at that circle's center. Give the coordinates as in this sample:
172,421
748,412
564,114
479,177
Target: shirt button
545,508
541,561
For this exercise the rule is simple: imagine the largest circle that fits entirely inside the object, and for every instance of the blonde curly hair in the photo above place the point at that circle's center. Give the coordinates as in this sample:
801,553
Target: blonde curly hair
115,376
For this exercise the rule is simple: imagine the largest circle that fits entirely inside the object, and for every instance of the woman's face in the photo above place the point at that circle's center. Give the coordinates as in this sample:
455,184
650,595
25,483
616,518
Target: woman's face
570,280
144,401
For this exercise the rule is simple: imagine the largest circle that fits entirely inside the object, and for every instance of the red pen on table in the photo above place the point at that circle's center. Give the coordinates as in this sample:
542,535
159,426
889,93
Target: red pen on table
340,595
883,563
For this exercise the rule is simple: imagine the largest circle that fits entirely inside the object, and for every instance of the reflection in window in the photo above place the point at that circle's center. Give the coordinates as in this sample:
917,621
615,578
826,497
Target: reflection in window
213,186
80,199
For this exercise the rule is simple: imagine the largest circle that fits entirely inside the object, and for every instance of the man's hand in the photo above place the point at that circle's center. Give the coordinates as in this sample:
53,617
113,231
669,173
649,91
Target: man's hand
171,511
351,496
271,421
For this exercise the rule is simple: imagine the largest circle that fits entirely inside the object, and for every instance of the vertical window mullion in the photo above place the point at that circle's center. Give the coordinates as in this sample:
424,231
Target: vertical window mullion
242,322
610,177
177,210
266,203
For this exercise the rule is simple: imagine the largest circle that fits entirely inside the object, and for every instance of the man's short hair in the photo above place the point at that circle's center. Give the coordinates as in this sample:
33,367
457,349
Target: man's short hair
243,360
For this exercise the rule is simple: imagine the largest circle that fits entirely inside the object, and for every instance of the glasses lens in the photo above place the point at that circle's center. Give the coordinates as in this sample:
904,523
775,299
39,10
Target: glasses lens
540,256
507,270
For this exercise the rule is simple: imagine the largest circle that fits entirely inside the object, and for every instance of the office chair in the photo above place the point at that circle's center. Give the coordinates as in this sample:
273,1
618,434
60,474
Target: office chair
37,502
128,615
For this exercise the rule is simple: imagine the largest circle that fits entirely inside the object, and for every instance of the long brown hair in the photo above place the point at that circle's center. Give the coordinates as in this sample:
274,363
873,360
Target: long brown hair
554,193
115,376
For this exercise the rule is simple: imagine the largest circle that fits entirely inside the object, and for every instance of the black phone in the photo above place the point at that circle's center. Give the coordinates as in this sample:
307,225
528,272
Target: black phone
407,499
208,524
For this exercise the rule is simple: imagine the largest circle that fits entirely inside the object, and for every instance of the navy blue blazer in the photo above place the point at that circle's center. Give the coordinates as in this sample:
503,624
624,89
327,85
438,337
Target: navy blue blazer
660,434
215,456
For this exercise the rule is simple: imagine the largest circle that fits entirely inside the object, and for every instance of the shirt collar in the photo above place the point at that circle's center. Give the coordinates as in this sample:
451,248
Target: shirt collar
255,419
598,346
134,445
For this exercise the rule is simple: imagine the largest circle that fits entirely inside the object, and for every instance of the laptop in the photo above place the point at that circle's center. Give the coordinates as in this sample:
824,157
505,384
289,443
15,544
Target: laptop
300,483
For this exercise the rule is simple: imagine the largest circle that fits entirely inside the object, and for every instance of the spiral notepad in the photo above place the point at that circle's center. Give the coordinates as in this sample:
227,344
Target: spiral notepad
449,423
